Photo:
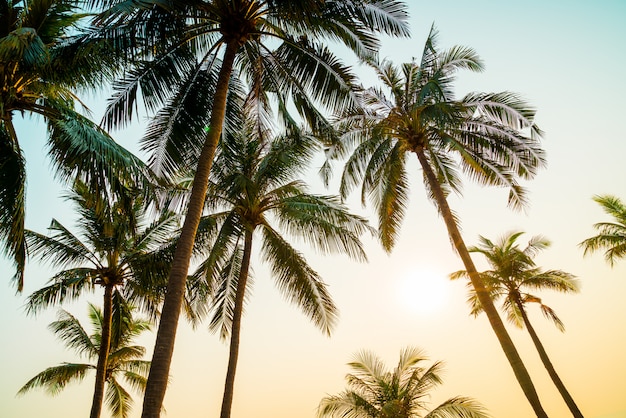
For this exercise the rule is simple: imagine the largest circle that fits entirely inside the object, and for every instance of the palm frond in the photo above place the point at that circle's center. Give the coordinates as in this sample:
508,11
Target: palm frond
459,406
66,285
298,282
223,304
70,331
55,379
118,400
12,200
325,223
611,236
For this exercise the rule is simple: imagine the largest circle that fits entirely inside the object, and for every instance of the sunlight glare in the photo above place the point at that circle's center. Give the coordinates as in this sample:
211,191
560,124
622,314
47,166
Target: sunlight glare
423,292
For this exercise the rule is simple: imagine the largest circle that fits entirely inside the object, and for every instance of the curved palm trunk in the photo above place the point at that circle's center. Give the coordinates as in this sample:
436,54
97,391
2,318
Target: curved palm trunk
235,332
166,335
483,296
103,354
548,364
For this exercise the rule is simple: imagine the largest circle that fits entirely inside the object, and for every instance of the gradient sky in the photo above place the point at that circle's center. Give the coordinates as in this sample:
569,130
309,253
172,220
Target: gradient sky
567,58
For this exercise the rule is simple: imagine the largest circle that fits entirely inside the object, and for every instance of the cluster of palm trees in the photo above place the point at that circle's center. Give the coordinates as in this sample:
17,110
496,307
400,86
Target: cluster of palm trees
239,92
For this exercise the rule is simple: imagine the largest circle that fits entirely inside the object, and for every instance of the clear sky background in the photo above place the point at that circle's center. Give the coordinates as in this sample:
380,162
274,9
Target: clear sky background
567,58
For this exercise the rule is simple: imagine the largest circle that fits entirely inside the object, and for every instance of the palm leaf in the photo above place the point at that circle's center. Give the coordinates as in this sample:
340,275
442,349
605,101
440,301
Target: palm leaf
298,282
55,379
12,200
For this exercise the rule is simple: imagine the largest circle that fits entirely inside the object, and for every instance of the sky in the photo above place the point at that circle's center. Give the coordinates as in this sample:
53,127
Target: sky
566,58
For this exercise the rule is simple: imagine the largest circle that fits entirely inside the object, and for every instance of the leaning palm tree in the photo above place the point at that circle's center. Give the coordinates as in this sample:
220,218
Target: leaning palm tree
513,273
276,45
254,189
374,392
481,134
44,59
117,251
124,362
611,235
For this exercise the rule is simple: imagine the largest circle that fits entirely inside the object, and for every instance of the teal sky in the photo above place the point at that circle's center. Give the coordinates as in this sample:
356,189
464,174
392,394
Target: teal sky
567,58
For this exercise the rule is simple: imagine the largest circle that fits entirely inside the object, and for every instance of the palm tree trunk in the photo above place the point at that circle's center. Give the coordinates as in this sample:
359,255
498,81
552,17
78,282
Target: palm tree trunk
103,353
548,364
166,334
235,332
522,375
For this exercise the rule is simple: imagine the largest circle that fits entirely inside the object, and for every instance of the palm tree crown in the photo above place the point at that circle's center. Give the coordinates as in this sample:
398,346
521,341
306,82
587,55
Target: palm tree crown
479,135
124,358
275,47
514,273
254,186
44,58
611,235
374,392
118,249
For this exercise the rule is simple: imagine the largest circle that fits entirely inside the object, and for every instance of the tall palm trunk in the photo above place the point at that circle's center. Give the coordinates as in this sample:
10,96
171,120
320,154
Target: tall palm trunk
166,335
548,364
522,375
235,332
103,353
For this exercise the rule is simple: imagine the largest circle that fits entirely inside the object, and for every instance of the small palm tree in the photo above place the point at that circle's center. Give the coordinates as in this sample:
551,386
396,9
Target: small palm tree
254,189
489,136
374,392
44,58
611,235
513,274
116,251
276,46
124,362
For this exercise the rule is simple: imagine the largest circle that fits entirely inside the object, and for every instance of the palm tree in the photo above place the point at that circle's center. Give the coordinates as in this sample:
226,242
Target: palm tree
124,360
254,188
482,134
276,45
374,392
117,251
513,272
43,60
611,235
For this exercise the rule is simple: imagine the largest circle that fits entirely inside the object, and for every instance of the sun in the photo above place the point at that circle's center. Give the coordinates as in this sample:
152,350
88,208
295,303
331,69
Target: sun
423,291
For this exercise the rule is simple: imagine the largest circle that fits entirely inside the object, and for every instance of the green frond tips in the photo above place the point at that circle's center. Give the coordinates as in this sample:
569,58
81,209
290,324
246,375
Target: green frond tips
611,236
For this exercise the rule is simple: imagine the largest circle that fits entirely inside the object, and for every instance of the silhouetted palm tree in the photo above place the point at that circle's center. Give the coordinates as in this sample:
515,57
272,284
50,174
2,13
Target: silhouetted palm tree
254,189
374,392
117,251
124,359
513,274
481,134
611,235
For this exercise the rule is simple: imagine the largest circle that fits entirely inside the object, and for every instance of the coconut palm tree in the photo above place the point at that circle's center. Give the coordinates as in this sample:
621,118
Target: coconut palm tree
254,190
489,136
513,274
124,361
117,251
374,392
44,59
194,49
611,235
